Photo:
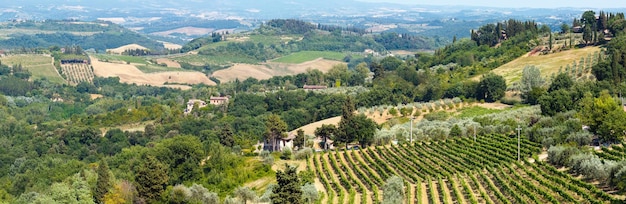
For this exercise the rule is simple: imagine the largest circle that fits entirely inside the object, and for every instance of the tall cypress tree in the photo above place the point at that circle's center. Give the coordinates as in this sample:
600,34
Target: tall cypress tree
103,184
151,179
288,190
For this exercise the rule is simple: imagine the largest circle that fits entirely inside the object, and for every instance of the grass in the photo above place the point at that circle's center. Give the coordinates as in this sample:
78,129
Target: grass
221,60
40,66
548,64
122,58
305,56
157,68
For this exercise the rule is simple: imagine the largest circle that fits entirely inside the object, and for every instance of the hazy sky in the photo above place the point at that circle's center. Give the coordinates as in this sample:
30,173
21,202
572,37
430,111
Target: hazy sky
520,3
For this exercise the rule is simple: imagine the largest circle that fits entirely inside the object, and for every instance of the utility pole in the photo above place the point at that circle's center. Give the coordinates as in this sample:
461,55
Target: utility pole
519,128
412,118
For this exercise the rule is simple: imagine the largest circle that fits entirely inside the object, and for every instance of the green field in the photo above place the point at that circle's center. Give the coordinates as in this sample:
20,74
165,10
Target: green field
548,64
40,66
200,60
305,56
157,68
122,58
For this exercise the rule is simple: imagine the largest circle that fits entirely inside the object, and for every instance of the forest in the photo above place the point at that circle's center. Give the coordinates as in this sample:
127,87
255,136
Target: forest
136,144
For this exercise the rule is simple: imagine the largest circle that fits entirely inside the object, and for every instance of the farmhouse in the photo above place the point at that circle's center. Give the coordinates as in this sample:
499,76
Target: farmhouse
284,142
216,100
313,87
192,102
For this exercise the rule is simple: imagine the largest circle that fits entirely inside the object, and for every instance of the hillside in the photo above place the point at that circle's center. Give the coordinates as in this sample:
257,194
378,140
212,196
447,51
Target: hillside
129,73
40,66
98,35
548,64
271,69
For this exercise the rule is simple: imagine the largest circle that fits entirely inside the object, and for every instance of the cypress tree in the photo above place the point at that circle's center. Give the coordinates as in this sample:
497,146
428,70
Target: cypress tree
103,184
288,190
151,179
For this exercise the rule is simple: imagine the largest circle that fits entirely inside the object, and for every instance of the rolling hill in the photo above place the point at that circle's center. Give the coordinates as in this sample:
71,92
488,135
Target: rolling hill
548,64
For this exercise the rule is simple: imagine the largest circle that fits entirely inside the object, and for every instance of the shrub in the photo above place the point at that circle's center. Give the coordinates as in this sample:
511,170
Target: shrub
417,113
393,112
286,155
393,190
406,111
303,153
559,155
580,138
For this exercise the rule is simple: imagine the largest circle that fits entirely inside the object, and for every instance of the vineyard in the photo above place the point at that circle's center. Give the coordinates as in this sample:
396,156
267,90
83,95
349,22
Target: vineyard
75,73
616,152
460,170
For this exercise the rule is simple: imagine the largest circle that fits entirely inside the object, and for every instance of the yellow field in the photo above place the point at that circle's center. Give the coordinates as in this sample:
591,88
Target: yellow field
40,66
548,64
268,70
128,73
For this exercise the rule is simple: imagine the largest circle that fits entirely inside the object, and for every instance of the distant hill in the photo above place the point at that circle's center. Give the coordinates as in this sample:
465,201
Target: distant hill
96,35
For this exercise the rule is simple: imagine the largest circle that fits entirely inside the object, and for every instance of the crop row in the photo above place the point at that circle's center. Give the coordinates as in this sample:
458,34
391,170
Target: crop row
454,171
76,73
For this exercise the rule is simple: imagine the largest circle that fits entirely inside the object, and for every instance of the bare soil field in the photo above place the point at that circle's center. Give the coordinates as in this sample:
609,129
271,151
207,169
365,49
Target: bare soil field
169,45
168,62
121,49
130,74
268,70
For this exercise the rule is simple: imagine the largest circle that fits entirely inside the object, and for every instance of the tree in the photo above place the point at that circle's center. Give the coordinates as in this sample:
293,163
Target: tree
491,87
151,178
122,192
604,116
589,21
325,131
532,97
531,77
378,70
275,130
564,28
348,108
200,194
390,63
104,183
288,190
245,194
182,154
299,140
556,102
393,191
338,72
227,136
587,35
561,81
455,131
309,193
550,41
359,128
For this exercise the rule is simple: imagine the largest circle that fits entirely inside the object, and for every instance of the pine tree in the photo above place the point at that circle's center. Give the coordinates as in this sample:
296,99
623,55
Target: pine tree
103,184
151,178
288,190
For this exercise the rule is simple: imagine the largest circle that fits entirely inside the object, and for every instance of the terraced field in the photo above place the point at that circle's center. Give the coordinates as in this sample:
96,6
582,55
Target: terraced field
77,72
455,171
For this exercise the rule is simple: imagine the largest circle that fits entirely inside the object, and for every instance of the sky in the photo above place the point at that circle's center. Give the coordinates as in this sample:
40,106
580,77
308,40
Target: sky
519,3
